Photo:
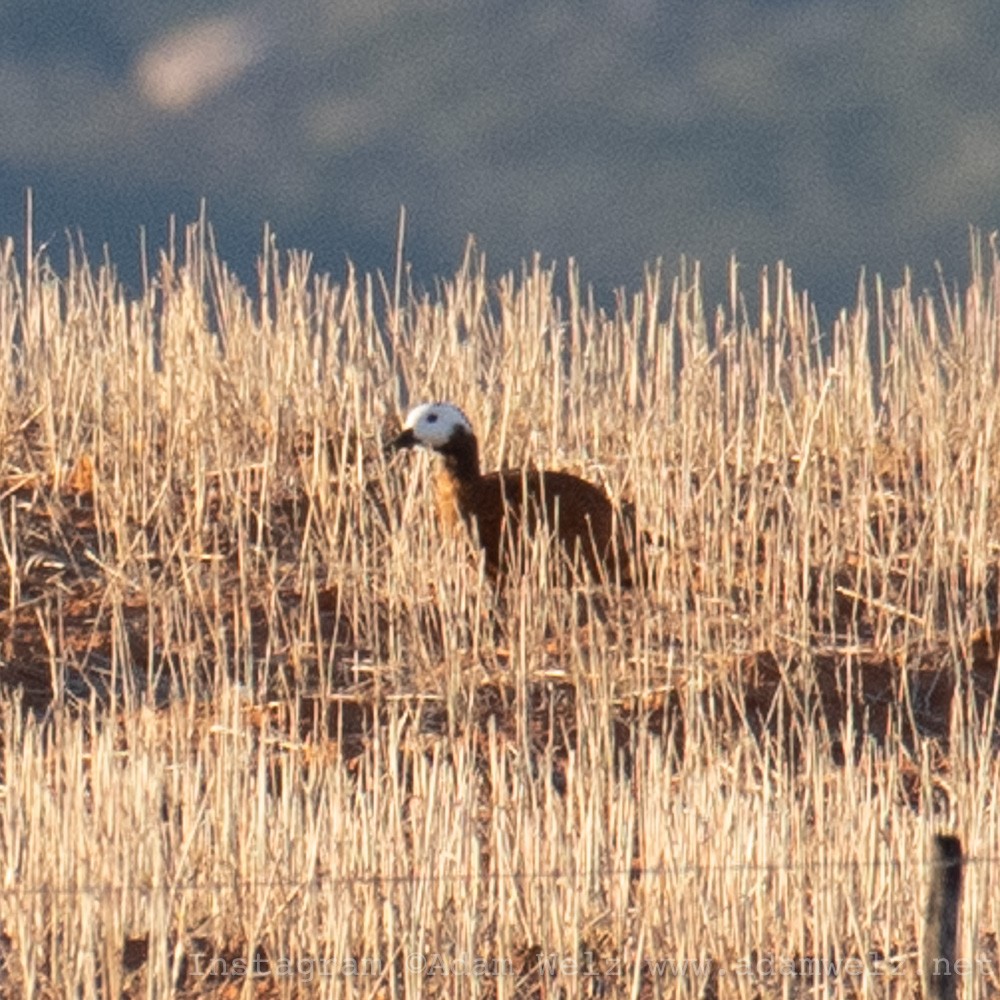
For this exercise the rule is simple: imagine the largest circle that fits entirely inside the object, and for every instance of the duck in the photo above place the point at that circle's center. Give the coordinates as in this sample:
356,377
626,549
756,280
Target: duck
502,510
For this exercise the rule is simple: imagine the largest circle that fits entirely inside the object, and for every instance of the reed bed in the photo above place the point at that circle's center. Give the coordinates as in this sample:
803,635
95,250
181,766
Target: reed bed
267,732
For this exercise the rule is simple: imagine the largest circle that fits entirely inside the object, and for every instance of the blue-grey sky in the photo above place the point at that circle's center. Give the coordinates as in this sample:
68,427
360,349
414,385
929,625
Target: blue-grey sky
832,135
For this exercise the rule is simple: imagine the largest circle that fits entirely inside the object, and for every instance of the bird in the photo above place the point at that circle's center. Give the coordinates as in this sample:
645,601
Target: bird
505,509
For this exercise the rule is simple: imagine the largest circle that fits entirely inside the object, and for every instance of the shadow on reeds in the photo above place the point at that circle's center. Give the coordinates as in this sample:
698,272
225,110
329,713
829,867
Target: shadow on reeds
62,589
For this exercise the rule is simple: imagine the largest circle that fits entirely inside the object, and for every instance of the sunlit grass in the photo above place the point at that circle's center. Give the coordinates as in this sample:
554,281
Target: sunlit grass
256,706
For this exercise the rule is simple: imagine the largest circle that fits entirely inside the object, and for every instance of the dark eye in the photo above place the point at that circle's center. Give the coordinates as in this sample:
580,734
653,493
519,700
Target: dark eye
432,418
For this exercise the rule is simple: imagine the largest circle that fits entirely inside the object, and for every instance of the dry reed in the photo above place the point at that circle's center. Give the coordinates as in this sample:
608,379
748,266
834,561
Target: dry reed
266,731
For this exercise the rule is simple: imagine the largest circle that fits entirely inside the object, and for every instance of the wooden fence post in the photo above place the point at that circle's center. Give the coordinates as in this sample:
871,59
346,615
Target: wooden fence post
941,977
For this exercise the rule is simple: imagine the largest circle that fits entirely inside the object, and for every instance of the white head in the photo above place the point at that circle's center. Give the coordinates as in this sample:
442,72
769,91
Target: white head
433,425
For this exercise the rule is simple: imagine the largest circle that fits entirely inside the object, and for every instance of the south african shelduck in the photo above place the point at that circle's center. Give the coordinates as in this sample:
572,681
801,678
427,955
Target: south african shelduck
503,509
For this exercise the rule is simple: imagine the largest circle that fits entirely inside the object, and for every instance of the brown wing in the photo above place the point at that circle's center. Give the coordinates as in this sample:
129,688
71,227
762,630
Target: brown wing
487,506
578,512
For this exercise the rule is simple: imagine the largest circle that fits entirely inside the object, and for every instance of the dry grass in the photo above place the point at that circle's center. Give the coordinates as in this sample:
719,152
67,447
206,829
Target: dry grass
254,706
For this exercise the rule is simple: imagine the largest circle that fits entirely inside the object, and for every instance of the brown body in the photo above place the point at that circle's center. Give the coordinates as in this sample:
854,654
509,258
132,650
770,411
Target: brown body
505,511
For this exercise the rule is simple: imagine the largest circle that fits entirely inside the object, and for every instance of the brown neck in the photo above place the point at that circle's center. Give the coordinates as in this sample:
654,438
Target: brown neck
461,457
